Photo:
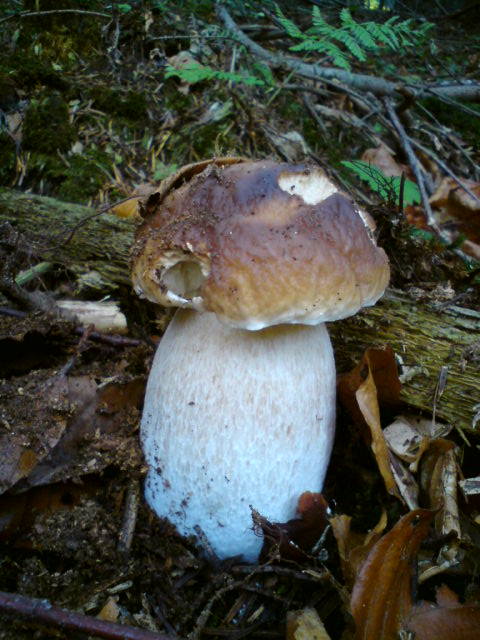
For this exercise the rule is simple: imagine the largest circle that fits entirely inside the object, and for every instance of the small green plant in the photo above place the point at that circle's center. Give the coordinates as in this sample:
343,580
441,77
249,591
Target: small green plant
352,39
197,73
388,187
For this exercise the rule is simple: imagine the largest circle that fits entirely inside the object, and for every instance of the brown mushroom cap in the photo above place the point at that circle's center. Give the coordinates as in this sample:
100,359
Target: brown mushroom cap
258,243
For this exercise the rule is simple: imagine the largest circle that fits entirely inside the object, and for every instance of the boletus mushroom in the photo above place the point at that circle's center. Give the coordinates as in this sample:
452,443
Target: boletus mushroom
240,402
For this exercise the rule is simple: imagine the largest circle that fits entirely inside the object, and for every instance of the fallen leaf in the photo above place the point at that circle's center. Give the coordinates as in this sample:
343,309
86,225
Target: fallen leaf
381,600
130,207
110,610
381,363
305,625
366,396
359,392
63,427
448,619
456,212
295,538
382,158
406,441
354,547
438,479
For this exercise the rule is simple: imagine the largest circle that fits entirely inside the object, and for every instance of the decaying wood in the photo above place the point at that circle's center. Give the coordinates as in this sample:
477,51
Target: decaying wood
99,246
430,340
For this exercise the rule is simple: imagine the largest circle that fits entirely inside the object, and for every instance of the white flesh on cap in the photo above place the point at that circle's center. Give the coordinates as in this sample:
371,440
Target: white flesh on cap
234,419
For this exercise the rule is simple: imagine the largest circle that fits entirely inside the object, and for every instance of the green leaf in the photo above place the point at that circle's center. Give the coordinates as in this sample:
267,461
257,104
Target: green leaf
289,26
197,73
384,185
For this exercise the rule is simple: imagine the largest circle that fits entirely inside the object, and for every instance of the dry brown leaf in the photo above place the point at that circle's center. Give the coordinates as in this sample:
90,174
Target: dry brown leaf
62,427
372,382
381,363
366,396
406,441
34,414
382,158
381,600
354,547
456,211
405,481
110,610
439,481
447,620
130,207
305,625
296,537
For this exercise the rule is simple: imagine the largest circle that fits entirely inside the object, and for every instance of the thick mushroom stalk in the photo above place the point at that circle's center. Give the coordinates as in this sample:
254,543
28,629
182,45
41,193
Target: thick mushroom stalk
240,405
235,419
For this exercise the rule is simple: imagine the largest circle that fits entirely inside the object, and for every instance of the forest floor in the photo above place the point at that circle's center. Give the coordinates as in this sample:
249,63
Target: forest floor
96,104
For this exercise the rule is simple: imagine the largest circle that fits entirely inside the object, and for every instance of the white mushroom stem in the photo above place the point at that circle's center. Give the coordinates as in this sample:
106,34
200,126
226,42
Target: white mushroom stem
235,419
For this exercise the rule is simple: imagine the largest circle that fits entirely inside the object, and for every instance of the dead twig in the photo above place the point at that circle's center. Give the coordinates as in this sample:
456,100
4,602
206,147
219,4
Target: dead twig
415,165
42,612
116,341
445,168
362,82
129,516
412,159
35,14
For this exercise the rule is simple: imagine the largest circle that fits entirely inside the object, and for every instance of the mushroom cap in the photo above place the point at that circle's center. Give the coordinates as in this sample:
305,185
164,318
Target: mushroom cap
258,243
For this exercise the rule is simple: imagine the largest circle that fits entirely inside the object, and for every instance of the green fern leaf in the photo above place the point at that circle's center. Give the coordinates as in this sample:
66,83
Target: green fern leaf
319,26
347,20
339,59
365,39
391,37
352,45
377,33
198,73
289,26
192,74
383,184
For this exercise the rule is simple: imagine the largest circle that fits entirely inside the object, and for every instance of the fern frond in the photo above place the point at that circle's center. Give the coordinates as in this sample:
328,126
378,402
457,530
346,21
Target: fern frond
356,38
347,19
330,49
289,26
349,41
319,26
373,29
197,73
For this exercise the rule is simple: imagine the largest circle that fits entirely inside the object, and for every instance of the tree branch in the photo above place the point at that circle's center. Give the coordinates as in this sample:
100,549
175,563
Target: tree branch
362,82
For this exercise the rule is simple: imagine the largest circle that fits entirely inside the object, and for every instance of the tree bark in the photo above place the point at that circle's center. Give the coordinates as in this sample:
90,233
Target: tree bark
99,245
427,338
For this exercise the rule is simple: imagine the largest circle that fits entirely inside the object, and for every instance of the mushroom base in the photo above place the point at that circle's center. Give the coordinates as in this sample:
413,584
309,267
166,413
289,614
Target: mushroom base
235,419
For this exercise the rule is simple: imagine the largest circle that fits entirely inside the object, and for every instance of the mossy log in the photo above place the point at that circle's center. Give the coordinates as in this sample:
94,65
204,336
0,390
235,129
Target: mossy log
72,234
437,346
428,338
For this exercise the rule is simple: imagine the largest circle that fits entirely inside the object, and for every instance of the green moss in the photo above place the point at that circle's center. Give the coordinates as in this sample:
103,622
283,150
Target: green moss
28,70
131,105
84,178
75,178
47,125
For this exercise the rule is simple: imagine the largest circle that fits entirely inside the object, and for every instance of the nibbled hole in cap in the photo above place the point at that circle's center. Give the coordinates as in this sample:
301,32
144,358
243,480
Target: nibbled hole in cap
184,279
311,186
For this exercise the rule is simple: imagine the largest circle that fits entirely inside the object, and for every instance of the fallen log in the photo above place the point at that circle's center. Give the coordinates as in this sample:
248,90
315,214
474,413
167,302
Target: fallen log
429,339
